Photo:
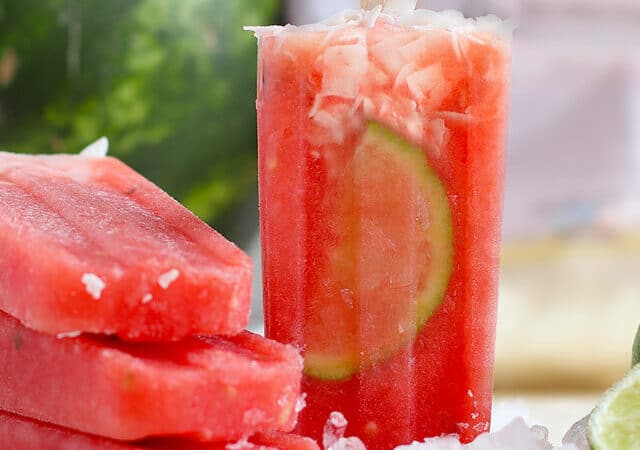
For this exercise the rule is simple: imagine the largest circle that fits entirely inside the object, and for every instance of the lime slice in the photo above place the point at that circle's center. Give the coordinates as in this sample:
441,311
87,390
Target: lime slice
615,423
635,354
390,267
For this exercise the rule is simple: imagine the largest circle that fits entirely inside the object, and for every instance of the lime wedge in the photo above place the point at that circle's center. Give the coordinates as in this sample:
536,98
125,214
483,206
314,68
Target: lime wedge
390,267
635,358
615,423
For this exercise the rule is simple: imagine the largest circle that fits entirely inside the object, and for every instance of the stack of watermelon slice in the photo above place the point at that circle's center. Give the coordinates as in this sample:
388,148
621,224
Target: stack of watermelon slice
121,320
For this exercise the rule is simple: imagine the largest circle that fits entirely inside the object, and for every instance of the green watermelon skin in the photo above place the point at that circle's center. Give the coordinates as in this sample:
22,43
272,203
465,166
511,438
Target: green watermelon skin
204,388
170,83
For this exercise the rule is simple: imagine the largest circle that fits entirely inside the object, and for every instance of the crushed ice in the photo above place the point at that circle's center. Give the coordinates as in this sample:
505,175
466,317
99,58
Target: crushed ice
93,284
333,434
242,444
301,403
399,15
577,434
516,435
167,278
97,149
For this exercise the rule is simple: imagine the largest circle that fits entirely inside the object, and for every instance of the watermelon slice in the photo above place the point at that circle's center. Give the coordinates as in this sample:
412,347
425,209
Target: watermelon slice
208,388
21,433
395,209
89,245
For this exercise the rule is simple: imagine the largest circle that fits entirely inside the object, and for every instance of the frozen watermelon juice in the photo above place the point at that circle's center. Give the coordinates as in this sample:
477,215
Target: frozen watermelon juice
381,157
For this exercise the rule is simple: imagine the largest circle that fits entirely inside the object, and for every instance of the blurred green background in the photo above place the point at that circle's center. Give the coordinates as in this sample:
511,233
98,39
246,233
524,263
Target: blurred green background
171,83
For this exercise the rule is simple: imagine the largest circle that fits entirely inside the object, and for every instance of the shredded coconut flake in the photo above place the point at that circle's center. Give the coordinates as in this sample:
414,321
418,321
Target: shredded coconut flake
69,334
147,298
167,278
98,149
93,284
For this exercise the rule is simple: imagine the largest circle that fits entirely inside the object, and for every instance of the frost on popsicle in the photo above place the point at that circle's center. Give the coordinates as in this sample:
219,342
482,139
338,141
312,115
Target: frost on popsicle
93,284
97,149
166,279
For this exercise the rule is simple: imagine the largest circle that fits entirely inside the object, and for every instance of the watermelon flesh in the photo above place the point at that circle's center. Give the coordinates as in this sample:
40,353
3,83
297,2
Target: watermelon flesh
89,245
381,174
206,388
21,433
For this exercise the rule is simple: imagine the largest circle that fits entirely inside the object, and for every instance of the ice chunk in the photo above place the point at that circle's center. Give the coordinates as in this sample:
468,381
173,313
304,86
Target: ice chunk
399,7
577,434
242,444
343,68
334,429
428,83
93,284
399,13
350,443
385,53
370,17
167,278
440,443
516,435
98,149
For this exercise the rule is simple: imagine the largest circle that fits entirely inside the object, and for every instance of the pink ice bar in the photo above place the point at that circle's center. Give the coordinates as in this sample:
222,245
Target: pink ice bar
87,244
21,433
205,388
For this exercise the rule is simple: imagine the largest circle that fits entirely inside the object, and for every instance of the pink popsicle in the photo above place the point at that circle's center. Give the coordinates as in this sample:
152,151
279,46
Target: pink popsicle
87,244
21,433
206,388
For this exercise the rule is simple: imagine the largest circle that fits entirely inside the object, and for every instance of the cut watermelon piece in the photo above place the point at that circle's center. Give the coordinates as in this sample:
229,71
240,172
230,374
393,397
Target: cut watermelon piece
21,433
395,209
89,245
208,388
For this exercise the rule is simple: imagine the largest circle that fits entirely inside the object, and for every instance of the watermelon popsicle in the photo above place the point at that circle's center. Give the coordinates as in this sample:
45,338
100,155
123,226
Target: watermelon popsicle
89,245
21,433
381,154
206,388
